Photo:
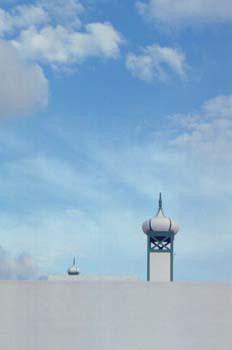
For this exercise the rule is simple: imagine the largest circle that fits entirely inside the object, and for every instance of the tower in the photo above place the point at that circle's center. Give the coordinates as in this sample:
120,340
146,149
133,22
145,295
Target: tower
160,232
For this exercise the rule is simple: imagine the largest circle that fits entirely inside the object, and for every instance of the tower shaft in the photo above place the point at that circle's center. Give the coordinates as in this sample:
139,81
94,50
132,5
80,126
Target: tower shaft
160,252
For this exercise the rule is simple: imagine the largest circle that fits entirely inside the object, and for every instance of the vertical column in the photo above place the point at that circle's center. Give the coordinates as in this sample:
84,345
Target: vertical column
171,256
148,256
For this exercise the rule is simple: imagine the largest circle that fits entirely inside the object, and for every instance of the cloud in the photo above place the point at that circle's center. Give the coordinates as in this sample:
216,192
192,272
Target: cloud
21,16
25,87
174,12
203,141
45,32
219,106
66,12
21,267
59,45
48,32
208,132
155,62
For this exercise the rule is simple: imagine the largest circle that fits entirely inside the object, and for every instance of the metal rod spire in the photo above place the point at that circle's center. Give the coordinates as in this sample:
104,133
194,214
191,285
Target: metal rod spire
160,200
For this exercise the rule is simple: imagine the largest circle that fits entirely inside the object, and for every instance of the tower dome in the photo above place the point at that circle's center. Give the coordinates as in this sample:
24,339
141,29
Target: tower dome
73,270
160,223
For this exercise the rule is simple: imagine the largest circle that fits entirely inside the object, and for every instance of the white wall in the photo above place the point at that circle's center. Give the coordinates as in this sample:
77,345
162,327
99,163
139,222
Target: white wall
111,315
160,267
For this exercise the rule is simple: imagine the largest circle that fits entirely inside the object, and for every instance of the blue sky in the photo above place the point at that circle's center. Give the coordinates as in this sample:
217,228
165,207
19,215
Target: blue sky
103,104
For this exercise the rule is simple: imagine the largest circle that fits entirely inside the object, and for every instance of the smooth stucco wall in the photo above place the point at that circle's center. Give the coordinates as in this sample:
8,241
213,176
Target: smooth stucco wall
160,267
92,315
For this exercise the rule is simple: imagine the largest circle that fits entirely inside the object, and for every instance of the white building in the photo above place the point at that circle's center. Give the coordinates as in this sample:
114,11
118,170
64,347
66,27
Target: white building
115,315
122,313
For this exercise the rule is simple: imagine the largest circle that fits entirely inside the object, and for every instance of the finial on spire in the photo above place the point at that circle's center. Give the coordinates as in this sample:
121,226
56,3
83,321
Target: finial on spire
160,200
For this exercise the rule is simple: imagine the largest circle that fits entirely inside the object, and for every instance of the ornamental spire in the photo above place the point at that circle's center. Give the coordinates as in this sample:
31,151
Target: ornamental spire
160,208
160,201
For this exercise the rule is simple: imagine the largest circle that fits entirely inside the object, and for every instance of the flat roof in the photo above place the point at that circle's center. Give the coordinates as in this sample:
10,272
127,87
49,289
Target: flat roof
79,278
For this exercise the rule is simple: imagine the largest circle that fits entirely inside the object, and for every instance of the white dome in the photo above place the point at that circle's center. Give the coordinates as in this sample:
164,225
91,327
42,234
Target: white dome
73,270
160,223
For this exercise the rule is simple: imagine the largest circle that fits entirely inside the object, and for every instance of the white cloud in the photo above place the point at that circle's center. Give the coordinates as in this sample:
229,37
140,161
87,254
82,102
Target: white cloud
219,106
66,12
5,22
207,138
21,16
181,11
154,61
59,45
25,86
22,267
140,66
27,15
48,31
45,32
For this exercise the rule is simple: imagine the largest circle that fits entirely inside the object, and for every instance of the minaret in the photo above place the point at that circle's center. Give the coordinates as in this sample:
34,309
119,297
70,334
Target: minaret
160,232
73,270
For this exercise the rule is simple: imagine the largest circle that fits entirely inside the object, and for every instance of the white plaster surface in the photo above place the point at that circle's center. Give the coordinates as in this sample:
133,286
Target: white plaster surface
79,278
160,267
110,315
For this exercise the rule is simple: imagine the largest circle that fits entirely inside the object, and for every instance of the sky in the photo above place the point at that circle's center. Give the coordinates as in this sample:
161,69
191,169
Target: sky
104,104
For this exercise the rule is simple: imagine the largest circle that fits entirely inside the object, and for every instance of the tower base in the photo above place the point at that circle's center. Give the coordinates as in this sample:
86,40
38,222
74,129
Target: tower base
160,267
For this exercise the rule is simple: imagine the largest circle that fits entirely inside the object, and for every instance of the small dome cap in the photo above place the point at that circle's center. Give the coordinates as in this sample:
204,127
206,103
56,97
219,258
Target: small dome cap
73,270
